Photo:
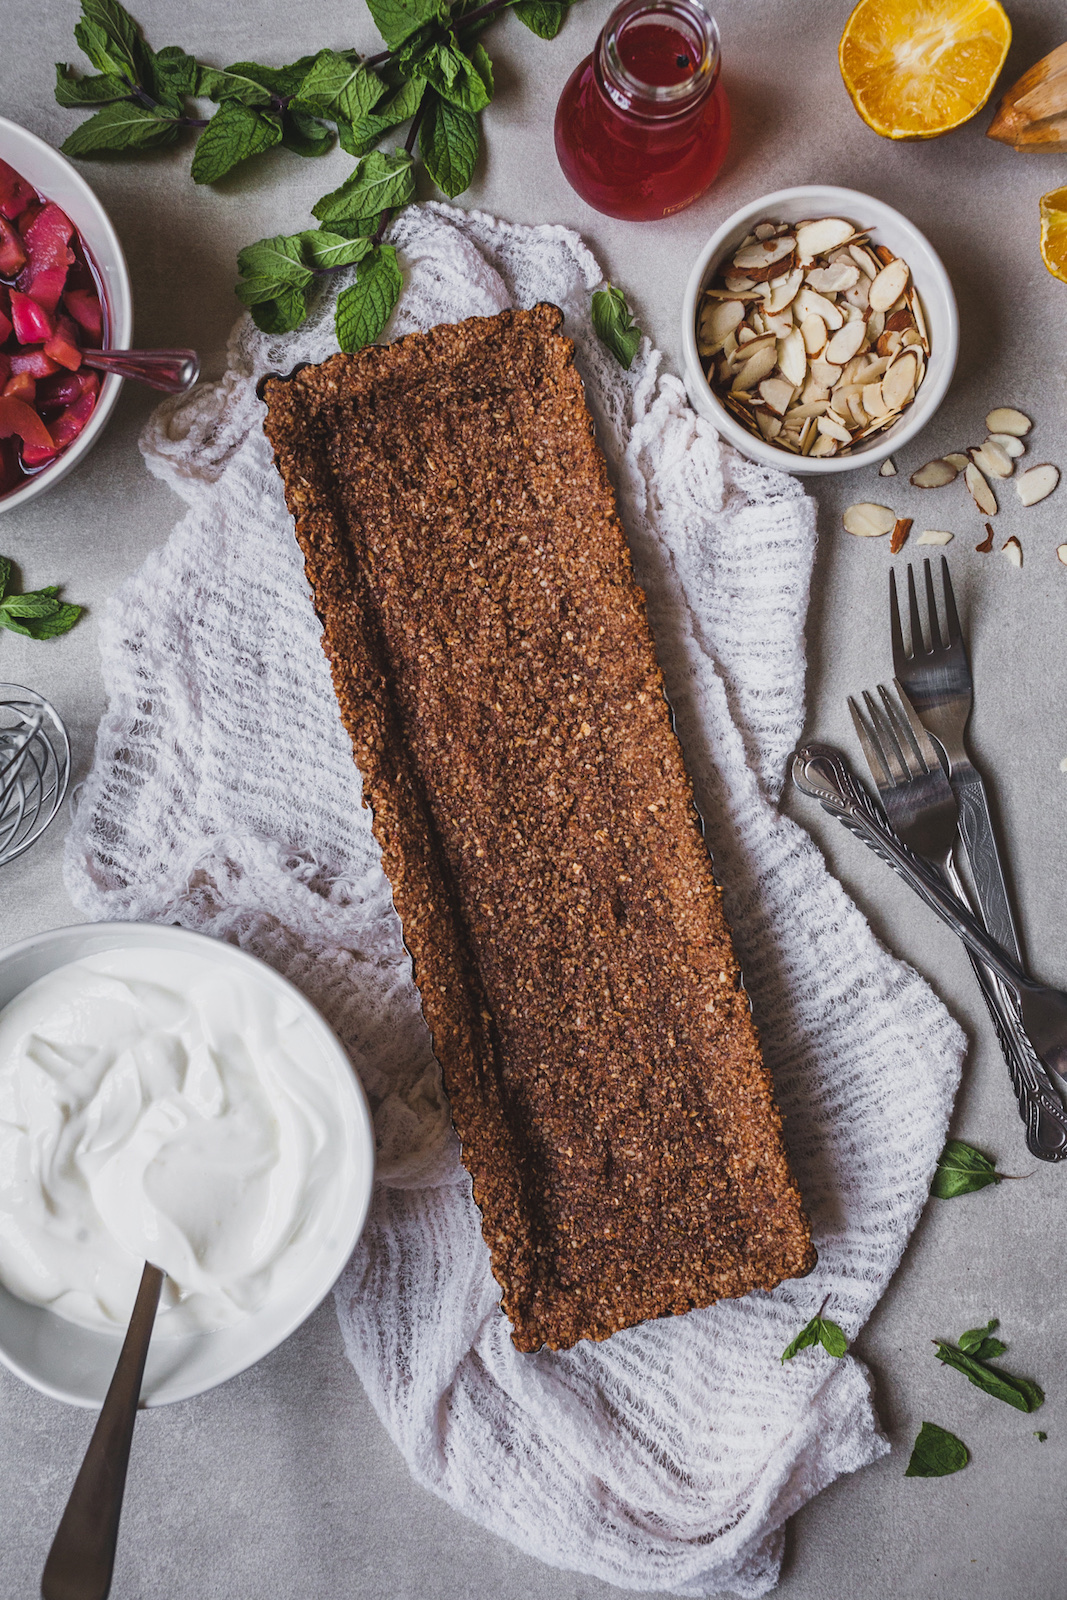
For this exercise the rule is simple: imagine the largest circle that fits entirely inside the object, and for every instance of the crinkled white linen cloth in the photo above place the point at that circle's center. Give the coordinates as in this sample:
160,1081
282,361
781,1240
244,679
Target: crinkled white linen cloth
223,796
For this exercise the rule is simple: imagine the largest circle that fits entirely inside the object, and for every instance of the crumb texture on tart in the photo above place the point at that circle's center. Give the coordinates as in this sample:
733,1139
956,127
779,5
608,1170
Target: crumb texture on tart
496,673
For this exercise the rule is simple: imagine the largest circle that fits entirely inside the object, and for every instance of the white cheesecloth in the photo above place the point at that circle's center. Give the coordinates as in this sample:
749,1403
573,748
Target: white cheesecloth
223,796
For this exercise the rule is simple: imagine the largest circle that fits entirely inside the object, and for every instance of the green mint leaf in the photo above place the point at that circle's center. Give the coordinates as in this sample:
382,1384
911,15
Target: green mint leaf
808,1335
364,309
831,1338
122,126
1022,1393
280,259
234,133
977,1342
281,314
1038,1434
379,183
30,605
305,135
326,249
74,91
8,621
614,326
179,71
936,1453
5,575
397,107
961,1169
108,36
36,614
459,11
339,86
59,622
257,289
988,1350
483,67
397,20
455,77
275,80
448,139
228,84
543,17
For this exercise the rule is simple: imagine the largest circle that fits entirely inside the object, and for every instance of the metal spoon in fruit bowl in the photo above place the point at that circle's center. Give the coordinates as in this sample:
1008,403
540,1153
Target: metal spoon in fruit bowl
173,371
82,1556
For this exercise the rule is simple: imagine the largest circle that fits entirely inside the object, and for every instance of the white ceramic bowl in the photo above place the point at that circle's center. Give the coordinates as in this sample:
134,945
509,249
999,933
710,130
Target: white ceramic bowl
75,1364
53,176
888,227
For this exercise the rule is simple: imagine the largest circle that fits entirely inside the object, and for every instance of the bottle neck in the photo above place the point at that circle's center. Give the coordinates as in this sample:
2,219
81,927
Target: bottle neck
658,58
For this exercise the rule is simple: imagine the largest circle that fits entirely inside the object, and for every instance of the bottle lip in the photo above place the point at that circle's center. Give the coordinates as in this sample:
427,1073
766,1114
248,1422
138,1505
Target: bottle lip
631,93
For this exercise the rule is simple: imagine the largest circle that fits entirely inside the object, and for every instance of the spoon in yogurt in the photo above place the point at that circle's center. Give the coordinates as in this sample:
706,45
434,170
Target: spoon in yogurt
82,1556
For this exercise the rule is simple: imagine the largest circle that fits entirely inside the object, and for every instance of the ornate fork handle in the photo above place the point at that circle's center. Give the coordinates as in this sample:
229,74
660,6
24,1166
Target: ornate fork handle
823,773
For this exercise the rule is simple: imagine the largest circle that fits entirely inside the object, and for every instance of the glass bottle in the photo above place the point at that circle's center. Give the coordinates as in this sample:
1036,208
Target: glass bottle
643,124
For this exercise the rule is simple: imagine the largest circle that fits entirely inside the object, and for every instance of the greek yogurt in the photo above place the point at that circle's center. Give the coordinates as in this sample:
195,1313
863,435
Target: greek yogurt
156,1105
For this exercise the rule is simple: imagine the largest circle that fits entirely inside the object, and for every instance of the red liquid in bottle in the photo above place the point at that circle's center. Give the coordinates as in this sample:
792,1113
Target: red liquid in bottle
642,125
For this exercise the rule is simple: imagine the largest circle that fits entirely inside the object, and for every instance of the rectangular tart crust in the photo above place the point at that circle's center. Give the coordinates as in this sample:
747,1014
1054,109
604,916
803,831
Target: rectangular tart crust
496,673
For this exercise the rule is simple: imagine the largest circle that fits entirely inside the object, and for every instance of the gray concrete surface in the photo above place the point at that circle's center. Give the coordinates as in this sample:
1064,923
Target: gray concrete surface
282,1484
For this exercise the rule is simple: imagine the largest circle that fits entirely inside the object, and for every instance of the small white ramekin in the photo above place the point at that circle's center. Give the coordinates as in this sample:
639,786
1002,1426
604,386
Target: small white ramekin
888,227
75,1364
53,176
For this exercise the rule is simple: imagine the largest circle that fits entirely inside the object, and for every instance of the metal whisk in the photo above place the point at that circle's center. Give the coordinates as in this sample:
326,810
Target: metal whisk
34,768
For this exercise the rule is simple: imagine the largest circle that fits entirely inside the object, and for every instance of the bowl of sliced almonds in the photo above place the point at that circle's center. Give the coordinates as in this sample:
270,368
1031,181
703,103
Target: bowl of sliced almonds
819,330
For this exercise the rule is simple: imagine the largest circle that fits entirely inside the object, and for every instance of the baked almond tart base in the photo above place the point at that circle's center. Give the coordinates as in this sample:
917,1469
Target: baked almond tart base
495,670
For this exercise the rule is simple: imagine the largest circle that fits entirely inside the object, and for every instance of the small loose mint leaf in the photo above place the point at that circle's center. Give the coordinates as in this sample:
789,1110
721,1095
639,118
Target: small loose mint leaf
280,258
9,622
613,324
379,183
1022,1393
179,71
286,311
808,1335
328,250
5,575
358,137
977,1342
543,17
936,1453
831,1338
364,309
339,86
455,76
74,91
1039,1434
305,135
448,139
234,133
122,126
961,1169
59,622
30,605
397,20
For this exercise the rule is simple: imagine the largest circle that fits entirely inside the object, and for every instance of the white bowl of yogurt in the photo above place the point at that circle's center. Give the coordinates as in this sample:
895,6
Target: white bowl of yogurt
165,1096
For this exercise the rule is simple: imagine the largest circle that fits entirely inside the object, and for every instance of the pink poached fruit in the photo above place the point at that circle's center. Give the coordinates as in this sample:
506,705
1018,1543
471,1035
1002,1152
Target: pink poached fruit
51,308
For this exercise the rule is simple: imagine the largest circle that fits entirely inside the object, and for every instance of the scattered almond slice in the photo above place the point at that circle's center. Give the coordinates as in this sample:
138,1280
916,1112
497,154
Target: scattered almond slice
901,529
834,429
1036,483
757,367
764,253
769,426
1008,442
764,230
817,238
834,279
935,536
719,319
993,461
1063,764
900,382
1013,550
784,290
888,469
889,285
792,358
826,373
777,393
936,474
981,493
846,342
1061,553
1005,419
956,459
823,446
809,303
864,260
987,543
813,332
869,521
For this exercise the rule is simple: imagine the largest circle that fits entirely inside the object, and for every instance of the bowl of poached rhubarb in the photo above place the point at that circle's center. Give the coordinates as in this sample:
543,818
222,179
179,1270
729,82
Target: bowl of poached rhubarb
64,289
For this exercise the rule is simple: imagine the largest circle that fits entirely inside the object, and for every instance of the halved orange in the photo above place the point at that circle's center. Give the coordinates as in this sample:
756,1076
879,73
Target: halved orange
916,68
1054,232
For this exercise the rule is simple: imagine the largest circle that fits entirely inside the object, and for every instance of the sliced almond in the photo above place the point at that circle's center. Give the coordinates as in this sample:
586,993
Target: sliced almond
982,494
769,426
846,342
987,543
1013,550
901,529
955,458
806,410
817,238
1036,483
869,521
814,333
874,401
993,461
784,290
764,230
756,368
935,474
1061,554
826,373
900,382
834,279
834,428
875,325
934,536
809,303
823,446
1005,419
857,295
777,393
719,318
736,281
781,325
762,254
792,358
888,469
889,285
920,319
1008,442
810,437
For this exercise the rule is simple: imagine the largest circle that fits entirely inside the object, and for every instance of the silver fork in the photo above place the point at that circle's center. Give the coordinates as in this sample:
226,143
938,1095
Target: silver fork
937,680
922,811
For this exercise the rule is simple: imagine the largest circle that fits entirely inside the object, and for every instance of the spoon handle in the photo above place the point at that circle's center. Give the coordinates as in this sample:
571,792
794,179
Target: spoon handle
173,371
82,1556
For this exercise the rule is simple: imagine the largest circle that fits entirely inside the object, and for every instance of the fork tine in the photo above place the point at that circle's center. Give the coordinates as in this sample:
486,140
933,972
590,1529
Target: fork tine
900,655
886,740
923,742
933,621
871,749
952,621
905,743
918,643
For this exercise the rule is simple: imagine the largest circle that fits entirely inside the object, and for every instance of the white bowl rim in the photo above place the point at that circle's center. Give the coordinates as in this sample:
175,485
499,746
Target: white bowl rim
166,933
120,334
933,389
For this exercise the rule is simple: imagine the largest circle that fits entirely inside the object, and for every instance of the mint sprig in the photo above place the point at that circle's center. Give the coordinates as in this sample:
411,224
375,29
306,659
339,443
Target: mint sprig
614,325
971,1357
435,75
961,1169
37,614
820,1330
